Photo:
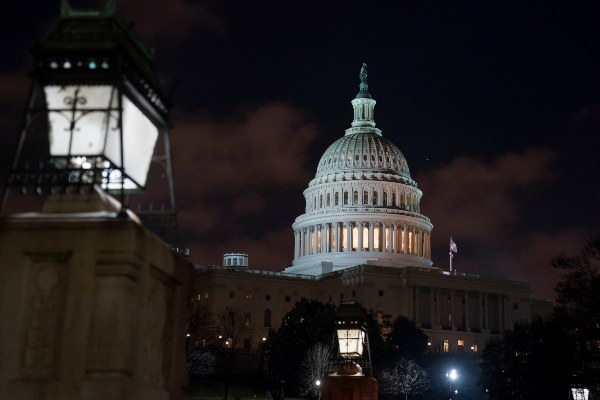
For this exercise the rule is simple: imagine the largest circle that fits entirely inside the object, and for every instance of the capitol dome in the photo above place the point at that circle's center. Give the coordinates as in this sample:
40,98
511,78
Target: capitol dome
362,207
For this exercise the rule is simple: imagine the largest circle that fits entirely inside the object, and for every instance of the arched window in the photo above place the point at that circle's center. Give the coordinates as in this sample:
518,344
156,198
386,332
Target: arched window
328,199
355,198
394,199
345,198
337,199
375,198
385,199
321,201
365,197
267,323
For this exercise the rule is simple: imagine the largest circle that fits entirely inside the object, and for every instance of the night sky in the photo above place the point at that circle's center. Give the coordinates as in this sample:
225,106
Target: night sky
496,108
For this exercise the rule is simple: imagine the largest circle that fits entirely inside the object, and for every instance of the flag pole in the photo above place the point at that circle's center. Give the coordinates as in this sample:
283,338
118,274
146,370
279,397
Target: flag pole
450,253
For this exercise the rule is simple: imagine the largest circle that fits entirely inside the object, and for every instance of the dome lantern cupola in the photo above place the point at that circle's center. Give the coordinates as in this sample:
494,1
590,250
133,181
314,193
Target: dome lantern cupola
364,106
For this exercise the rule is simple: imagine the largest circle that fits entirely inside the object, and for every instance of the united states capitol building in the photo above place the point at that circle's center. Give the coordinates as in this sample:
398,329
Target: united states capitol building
363,238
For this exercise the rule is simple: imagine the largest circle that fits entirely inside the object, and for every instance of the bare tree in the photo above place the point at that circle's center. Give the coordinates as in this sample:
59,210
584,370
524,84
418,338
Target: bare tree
232,327
405,377
202,341
315,365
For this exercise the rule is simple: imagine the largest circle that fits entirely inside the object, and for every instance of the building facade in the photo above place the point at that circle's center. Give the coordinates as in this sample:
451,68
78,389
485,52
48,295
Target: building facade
363,238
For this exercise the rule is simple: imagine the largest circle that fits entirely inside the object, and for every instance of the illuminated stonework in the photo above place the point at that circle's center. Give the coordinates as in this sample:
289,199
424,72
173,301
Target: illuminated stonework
362,207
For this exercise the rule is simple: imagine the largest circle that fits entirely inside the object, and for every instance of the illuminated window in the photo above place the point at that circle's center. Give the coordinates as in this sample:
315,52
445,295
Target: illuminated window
446,346
354,238
365,238
343,235
410,239
460,343
474,348
206,295
376,238
199,297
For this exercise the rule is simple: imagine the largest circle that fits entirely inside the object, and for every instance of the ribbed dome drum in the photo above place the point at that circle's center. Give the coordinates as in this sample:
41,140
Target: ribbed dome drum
362,207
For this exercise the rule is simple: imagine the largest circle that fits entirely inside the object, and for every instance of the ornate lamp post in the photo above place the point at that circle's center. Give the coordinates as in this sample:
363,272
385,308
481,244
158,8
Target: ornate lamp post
353,340
354,358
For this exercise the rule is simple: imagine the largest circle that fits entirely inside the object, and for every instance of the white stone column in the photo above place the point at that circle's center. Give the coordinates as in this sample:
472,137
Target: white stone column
420,243
338,237
359,226
383,237
394,238
348,228
371,236
295,244
405,239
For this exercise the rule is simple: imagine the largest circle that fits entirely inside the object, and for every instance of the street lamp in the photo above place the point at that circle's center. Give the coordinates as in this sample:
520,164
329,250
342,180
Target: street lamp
354,358
353,341
452,376
580,393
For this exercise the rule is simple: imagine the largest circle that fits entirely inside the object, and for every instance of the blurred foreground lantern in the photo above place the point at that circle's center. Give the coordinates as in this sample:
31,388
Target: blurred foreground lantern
96,94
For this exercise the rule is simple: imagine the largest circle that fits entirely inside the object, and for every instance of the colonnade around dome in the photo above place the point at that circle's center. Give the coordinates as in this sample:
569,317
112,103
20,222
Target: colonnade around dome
362,236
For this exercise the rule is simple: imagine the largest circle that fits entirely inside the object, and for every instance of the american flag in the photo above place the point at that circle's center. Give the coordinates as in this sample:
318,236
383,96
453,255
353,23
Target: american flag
453,246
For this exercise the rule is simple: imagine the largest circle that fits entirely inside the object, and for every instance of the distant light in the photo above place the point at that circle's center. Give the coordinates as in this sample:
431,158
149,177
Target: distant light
318,382
188,335
264,339
92,65
53,65
452,374
67,65
428,343
220,336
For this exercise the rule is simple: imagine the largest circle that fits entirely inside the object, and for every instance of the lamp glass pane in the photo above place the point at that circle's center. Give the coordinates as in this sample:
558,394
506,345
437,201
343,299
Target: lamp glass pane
350,342
139,140
85,112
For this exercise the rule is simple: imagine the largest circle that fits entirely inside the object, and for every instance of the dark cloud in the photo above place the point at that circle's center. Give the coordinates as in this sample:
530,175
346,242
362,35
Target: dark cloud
482,206
229,174
153,18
